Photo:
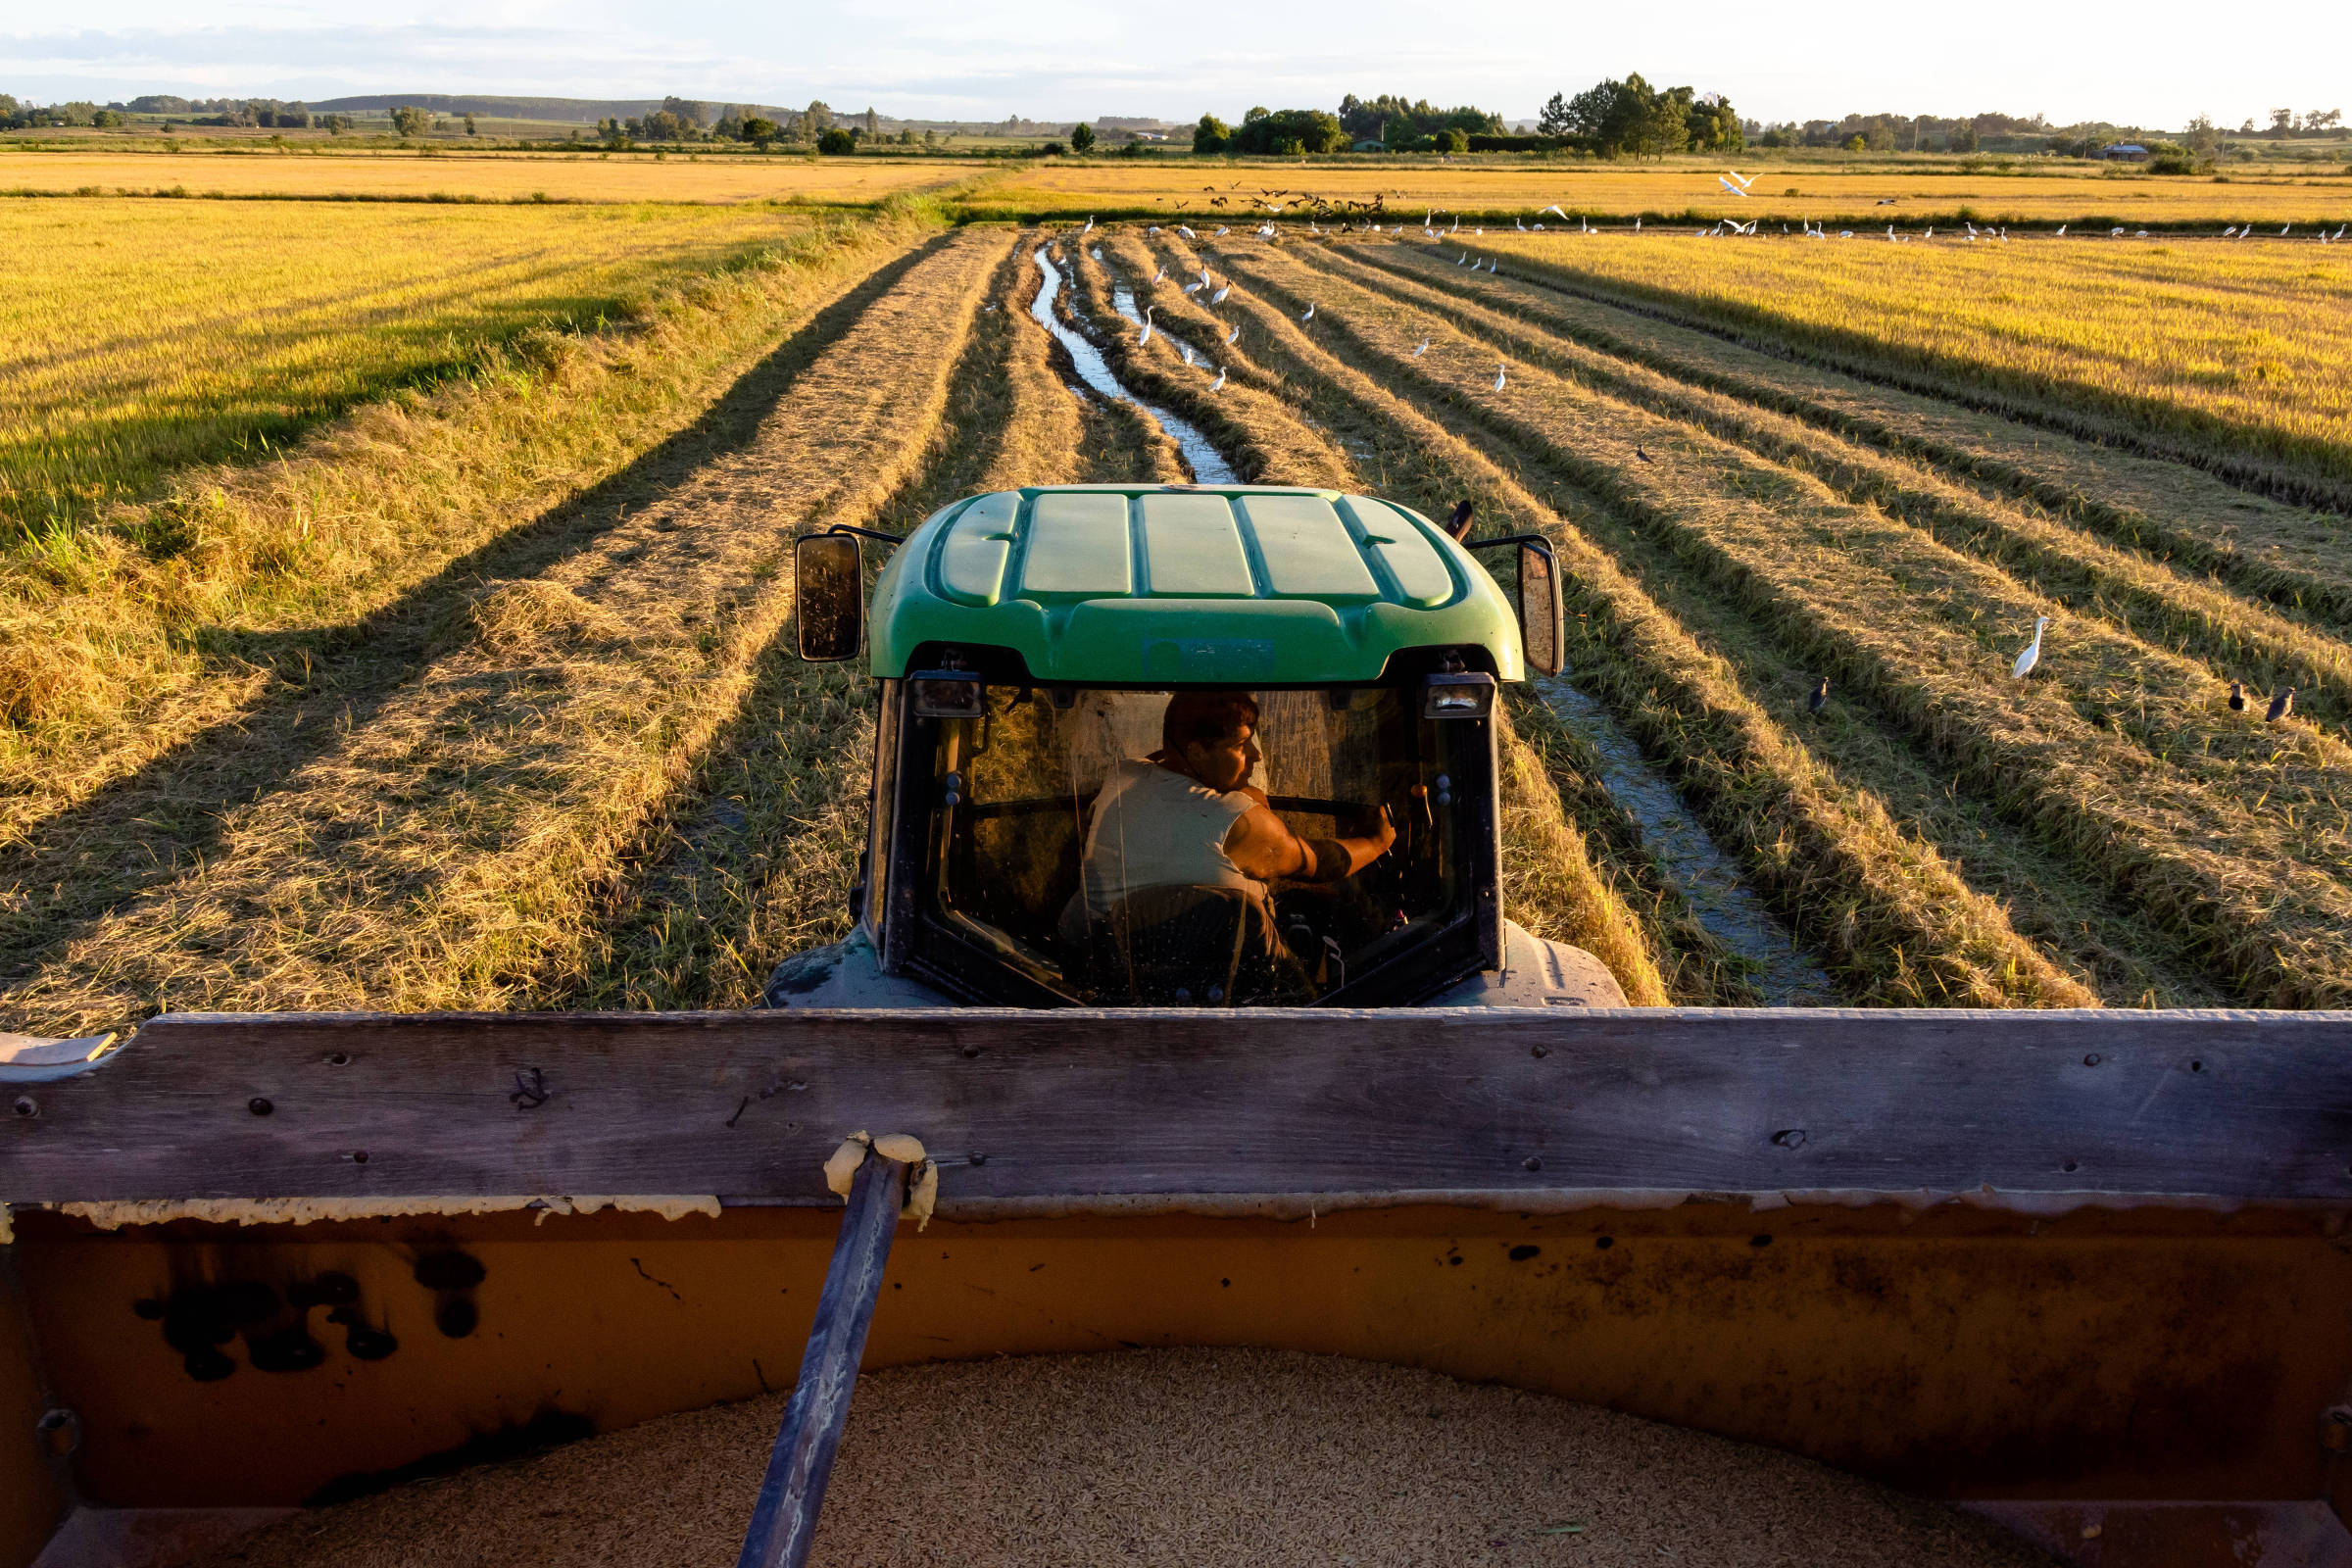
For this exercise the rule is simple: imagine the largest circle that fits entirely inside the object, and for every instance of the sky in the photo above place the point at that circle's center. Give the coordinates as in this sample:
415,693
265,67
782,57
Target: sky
1060,60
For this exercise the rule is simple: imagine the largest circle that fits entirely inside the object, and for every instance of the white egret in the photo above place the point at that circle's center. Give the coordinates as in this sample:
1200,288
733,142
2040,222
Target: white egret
1161,276
1185,232
1310,313
2231,232
1090,226
1845,233
1637,225
1931,233
1185,348
1222,233
1555,208
1522,223
2033,654
1218,298
1219,383
1743,179
1728,185
2283,230
1146,337
1459,260
1498,378
1423,349
1096,253
1192,288
2115,233
1972,229
1234,334
2061,232
2143,235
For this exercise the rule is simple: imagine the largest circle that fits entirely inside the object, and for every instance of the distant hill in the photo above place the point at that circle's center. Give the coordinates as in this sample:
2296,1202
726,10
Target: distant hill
585,111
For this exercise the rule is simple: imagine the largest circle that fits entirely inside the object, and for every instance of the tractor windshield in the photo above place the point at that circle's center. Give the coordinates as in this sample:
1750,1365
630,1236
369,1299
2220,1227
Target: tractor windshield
1152,847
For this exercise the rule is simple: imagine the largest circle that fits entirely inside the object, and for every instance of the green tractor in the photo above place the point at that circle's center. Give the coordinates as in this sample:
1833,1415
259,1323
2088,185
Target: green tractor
1184,745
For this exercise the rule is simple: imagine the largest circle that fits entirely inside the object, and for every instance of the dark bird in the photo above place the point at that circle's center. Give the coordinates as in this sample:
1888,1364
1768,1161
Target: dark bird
1820,695
2238,697
1458,525
1644,456
2281,706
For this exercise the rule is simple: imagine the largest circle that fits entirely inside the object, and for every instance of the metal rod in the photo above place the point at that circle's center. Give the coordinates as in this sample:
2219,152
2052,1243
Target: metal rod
784,1523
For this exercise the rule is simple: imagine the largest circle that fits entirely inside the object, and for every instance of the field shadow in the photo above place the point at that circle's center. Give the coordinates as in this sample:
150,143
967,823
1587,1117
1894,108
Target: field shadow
168,817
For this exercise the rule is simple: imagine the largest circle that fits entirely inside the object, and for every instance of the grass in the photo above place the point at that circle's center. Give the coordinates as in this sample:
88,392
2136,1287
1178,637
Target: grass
443,851
142,338
2233,352
2266,547
441,176
1521,188
120,642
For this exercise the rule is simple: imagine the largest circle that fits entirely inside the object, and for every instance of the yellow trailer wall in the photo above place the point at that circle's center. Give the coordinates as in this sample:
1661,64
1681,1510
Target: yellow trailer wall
1958,1352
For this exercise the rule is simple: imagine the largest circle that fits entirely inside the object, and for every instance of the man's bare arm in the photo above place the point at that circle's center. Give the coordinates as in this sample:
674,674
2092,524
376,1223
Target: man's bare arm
1264,847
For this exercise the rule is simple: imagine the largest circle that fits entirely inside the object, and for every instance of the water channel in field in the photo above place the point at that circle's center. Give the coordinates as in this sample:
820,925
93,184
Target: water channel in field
1708,880
1208,465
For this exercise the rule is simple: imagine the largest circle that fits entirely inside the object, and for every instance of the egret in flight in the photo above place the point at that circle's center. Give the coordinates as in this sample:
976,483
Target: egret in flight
2033,654
1728,185
1743,179
1555,208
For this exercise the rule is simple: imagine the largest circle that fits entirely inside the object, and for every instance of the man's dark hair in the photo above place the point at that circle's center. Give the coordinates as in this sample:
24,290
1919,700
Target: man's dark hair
1196,718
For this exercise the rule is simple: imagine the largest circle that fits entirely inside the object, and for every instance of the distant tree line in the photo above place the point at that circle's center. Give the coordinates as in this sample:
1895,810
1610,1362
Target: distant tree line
1610,120
1631,118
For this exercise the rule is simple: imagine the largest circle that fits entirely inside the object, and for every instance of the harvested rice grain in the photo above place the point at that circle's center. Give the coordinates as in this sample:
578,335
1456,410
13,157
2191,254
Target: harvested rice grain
1200,1458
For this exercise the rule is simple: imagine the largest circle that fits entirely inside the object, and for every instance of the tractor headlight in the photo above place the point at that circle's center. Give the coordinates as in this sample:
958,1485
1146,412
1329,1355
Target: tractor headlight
946,694
1468,696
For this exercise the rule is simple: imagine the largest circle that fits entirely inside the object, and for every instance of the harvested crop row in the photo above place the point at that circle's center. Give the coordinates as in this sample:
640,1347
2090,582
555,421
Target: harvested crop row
1833,579
1549,880
1898,923
238,587
2224,357
2288,553
754,861
2152,601
506,779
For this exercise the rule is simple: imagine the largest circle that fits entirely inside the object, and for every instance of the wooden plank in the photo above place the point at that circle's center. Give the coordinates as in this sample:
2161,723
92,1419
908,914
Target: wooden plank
791,1494
1530,1107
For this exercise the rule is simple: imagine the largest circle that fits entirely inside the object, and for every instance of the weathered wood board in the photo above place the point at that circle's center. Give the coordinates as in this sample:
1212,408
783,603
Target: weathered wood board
1085,1109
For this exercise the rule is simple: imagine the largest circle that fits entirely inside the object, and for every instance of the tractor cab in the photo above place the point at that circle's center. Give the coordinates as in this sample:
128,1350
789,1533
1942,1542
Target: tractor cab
1183,746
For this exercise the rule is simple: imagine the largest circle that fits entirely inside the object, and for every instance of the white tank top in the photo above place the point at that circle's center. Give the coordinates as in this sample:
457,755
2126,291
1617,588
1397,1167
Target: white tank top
1158,829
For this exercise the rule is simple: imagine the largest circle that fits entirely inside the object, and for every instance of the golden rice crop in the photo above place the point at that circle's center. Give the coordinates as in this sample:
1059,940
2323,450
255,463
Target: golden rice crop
1521,188
2234,346
511,773
2177,512
137,337
588,175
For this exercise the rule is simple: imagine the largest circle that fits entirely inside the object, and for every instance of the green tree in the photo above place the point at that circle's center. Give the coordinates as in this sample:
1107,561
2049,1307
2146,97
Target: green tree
1713,126
409,121
836,141
470,127
1856,144
1290,131
817,117
1212,136
2204,144
1082,137
1555,121
759,132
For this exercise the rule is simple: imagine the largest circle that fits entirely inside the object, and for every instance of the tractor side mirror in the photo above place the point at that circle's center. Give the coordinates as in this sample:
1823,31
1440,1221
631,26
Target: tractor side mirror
829,593
1540,622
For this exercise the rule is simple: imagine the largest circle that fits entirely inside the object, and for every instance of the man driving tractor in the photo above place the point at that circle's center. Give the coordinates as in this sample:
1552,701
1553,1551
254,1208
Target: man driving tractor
1187,815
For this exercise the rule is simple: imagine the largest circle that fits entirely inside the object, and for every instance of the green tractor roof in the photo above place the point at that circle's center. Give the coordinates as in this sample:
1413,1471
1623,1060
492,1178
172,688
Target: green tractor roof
1241,584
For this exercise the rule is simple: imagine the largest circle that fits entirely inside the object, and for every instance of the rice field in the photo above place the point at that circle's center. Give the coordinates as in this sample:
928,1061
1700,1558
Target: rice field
587,175
2238,349
140,337
553,749
2036,191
